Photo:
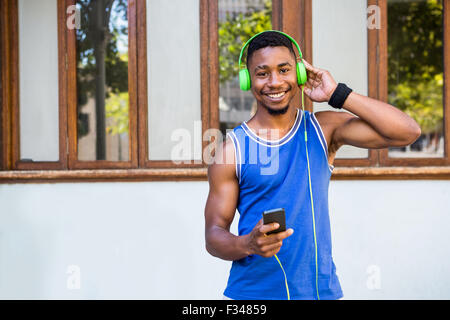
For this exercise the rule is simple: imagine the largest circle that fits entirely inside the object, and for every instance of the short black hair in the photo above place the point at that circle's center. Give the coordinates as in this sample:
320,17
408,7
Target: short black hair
269,39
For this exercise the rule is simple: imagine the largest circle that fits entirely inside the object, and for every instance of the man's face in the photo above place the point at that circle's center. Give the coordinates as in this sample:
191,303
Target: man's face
274,78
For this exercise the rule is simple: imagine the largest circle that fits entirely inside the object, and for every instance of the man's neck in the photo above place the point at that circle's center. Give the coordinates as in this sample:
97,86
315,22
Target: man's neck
279,124
265,120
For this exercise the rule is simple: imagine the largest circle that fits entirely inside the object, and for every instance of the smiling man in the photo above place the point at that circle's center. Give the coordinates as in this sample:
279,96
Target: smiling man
296,263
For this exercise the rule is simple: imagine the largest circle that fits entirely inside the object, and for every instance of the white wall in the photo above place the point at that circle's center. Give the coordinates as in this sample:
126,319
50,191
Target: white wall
145,240
396,231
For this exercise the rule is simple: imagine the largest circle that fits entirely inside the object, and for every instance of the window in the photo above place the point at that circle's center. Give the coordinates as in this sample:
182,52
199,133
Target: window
103,101
419,89
340,54
101,90
404,66
38,82
415,74
174,119
238,21
33,82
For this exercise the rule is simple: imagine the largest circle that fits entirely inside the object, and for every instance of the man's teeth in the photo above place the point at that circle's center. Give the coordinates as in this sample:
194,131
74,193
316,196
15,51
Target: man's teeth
276,95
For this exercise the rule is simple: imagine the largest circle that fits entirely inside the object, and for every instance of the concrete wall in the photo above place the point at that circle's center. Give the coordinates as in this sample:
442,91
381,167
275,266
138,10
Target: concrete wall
146,240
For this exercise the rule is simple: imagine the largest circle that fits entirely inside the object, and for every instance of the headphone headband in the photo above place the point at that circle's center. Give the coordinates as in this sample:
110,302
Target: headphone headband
285,34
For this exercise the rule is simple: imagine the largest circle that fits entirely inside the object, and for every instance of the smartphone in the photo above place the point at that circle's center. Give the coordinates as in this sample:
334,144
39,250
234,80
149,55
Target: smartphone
275,215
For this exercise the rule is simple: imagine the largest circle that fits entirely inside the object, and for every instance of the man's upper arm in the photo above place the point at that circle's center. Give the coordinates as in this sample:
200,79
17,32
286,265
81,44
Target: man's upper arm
223,188
348,129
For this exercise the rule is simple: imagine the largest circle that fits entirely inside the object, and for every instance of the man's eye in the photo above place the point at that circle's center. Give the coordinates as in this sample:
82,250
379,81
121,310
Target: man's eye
284,70
261,74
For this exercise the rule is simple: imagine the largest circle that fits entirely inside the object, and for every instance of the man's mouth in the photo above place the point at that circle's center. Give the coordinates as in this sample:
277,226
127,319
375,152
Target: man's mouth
276,96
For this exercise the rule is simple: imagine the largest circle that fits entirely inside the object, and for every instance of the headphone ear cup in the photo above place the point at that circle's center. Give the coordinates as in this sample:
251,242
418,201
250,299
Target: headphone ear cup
301,73
244,80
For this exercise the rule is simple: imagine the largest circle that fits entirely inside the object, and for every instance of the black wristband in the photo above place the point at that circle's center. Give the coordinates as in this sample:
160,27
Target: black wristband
339,96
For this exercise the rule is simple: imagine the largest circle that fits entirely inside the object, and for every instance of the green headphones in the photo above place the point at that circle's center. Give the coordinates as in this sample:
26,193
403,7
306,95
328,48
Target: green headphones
244,74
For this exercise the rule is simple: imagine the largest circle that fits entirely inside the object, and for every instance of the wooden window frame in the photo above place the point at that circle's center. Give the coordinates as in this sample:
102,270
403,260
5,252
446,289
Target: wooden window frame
377,43
73,162
209,82
10,77
380,44
291,16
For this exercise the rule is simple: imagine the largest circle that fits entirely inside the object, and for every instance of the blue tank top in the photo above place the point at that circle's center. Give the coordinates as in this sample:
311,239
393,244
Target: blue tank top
274,174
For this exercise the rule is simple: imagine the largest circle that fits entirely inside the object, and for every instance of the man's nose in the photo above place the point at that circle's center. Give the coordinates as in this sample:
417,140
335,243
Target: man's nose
275,79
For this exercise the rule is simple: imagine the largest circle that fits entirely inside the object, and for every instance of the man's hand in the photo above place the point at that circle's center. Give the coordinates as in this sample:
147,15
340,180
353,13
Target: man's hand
320,85
266,245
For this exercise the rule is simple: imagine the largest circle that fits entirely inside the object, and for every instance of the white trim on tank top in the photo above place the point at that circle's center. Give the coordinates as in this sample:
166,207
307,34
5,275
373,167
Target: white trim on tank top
325,148
237,154
295,126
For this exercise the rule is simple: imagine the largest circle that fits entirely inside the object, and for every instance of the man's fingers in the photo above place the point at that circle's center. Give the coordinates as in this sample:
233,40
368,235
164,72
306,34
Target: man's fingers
267,245
271,244
283,235
313,74
272,247
309,67
269,227
275,237
307,91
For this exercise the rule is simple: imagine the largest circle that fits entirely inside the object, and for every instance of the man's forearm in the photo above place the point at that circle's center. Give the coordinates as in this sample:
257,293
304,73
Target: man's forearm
223,244
387,120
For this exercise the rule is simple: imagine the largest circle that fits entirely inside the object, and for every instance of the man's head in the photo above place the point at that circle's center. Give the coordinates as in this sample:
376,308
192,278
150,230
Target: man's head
268,39
271,62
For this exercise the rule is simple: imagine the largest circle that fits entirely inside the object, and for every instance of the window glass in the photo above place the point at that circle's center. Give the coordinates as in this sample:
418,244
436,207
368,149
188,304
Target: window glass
239,20
344,56
415,65
38,77
102,80
173,83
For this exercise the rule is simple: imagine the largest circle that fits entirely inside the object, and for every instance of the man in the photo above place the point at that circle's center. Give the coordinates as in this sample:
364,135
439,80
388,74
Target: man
299,179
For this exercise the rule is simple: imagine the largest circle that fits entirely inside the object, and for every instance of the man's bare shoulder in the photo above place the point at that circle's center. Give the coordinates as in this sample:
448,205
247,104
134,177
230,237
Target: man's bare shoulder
224,162
332,119
329,121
